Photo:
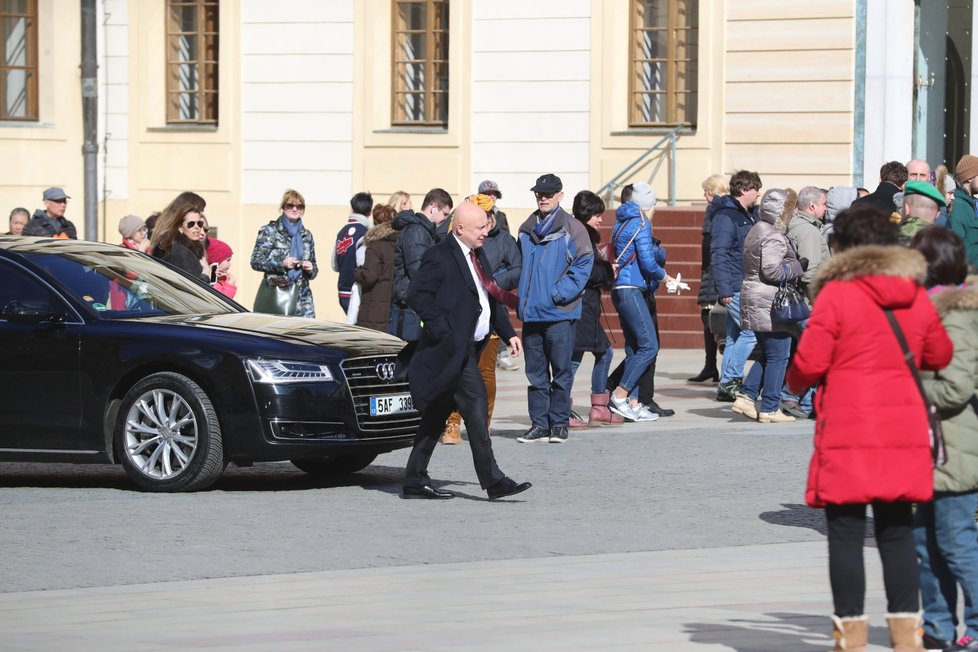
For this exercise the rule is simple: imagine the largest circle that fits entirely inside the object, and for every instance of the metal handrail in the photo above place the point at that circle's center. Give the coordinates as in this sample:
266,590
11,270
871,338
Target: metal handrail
609,188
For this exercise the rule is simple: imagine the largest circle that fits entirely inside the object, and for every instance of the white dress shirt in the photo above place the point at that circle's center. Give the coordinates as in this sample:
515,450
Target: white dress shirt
481,326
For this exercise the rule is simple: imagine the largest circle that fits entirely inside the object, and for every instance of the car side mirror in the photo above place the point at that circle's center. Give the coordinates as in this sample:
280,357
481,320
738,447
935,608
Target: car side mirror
33,312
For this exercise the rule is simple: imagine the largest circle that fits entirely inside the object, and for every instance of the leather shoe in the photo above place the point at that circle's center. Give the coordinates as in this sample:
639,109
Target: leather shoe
426,491
655,408
506,487
704,376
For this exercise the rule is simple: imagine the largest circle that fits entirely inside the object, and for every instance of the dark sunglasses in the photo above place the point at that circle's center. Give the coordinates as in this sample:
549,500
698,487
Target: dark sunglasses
191,224
301,207
545,195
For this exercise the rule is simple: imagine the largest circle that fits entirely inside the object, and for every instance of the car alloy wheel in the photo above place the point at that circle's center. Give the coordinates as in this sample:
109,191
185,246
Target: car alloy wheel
169,438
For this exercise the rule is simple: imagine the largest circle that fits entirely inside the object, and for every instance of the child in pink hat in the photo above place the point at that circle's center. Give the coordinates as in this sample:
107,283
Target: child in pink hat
219,256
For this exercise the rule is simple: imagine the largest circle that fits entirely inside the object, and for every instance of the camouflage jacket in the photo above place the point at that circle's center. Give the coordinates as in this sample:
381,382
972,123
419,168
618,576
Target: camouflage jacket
271,250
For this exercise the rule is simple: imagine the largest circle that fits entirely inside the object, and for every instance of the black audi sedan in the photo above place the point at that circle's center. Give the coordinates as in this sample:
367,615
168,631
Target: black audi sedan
110,356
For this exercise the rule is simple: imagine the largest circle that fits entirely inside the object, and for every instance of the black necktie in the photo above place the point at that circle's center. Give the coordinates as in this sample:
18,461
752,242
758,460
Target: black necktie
503,296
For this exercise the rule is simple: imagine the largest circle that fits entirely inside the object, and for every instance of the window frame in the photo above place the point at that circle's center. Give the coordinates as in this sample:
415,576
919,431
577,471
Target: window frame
671,92
32,111
399,116
208,83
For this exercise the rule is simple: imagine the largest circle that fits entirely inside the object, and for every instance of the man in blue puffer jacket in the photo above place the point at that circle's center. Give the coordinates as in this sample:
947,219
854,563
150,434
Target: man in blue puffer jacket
557,261
640,263
731,222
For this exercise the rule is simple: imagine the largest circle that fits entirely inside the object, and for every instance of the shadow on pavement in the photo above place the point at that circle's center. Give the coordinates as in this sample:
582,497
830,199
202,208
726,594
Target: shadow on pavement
261,477
795,515
785,631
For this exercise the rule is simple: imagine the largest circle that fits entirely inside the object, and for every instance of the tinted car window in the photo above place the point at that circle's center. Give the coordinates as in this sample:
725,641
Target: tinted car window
19,285
116,284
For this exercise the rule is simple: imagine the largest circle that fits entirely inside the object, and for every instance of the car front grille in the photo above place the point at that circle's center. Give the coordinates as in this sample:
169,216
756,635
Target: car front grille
365,381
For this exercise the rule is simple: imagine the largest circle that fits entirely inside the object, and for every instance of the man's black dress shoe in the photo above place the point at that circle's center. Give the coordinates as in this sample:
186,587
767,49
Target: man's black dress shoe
427,491
507,487
658,409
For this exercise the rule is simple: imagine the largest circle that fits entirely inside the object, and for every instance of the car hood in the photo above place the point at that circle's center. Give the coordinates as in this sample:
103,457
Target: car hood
294,330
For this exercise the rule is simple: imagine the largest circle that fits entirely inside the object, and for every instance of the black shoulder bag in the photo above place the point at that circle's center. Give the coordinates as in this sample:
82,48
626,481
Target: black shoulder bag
937,449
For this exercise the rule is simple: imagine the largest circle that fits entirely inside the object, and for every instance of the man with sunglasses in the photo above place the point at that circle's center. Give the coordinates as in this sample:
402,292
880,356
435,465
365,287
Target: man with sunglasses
51,222
557,261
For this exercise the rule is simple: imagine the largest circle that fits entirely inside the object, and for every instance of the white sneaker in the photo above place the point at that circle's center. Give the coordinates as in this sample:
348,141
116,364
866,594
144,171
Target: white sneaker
645,414
623,407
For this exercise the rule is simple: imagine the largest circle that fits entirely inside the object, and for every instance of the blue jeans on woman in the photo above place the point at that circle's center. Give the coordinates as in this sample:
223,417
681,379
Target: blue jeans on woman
599,374
947,546
641,342
775,349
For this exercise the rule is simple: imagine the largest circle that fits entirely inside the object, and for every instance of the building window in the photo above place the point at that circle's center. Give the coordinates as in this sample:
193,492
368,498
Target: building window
663,76
191,61
420,62
18,66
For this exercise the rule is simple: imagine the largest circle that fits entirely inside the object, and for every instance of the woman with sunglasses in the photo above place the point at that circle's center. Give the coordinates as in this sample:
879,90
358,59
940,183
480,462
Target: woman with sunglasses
286,253
179,236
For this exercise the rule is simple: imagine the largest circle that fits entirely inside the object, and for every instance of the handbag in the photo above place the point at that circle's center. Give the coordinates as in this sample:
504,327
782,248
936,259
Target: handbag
937,449
404,323
789,306
274,298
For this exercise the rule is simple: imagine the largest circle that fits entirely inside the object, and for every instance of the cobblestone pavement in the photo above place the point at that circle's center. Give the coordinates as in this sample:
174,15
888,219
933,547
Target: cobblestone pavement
705,489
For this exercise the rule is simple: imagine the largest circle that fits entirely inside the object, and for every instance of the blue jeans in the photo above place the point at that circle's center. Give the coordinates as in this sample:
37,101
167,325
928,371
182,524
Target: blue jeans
775,351
599,374
739,344
547,349
947,545
641,342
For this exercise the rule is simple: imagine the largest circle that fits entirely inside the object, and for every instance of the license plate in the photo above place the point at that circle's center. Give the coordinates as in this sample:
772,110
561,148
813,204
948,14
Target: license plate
393,404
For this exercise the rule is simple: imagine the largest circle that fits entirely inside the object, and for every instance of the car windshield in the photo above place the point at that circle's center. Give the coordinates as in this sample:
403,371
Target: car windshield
120,283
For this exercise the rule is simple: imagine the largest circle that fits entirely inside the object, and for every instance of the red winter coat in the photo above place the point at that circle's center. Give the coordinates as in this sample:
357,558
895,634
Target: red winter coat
871,437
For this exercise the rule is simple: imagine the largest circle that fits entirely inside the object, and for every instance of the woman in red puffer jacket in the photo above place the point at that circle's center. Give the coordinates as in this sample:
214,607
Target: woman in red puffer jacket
871,435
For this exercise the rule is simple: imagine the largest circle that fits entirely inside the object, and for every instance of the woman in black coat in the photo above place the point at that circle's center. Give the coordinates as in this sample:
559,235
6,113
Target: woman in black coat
590,336
179,236
714,187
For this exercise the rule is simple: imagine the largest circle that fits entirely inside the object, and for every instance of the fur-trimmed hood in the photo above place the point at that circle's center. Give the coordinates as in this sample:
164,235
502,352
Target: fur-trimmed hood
956,298
871,260
777,207
380,232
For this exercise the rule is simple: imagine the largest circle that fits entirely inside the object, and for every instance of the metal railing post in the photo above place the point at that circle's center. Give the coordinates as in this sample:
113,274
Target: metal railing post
672,169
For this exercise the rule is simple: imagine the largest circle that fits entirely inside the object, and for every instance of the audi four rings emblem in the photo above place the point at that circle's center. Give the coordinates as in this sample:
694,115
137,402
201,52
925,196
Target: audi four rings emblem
385,370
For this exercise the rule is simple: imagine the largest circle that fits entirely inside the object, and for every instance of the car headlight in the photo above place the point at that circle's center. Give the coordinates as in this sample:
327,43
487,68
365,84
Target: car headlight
287,371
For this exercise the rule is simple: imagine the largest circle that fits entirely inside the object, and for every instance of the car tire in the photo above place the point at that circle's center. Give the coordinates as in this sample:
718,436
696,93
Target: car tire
338,465
168,437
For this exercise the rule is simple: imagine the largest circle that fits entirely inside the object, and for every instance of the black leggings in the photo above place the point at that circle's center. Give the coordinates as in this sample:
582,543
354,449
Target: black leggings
894,538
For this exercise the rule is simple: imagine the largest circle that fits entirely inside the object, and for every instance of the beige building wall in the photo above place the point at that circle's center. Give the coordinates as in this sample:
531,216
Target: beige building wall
788,88
305,102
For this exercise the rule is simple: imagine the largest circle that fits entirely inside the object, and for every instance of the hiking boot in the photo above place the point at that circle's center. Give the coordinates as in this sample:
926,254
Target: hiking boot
452,434
727,392
534,434
774,417
744,404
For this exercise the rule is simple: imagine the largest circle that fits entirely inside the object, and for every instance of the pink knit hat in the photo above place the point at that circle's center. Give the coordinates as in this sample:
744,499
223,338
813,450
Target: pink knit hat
218,251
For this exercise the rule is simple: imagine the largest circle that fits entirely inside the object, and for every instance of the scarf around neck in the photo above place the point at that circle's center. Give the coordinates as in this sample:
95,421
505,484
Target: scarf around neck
294,229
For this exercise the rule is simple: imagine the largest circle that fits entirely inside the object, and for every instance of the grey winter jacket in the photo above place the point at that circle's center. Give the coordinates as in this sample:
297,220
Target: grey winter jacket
807,234
769,259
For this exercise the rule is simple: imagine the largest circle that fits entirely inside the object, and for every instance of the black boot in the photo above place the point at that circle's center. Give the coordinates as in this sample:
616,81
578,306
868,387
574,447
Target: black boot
711,375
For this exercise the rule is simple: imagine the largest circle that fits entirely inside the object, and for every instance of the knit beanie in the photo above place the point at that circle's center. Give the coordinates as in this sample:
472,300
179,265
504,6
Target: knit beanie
643,195
485,202
130,224
967,168
217,251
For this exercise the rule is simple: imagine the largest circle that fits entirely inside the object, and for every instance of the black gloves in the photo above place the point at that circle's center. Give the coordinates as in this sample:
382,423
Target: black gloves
804,264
